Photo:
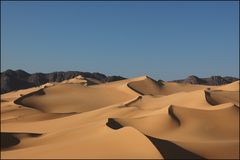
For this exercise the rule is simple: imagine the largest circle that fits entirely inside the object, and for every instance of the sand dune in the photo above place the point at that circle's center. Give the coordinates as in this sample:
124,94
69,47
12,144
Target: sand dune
225,97
172,87
196,128
153,87
63,98
230,87
196,99
132,118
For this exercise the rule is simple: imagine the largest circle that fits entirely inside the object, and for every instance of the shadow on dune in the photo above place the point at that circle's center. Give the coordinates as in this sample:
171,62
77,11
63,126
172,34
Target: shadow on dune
170,150
167,149
111,123
209,99
128,104
135,90
20,99
9,140
173,116
221,96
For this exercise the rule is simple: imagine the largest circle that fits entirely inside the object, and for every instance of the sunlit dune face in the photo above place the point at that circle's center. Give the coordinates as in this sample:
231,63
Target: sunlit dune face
75,98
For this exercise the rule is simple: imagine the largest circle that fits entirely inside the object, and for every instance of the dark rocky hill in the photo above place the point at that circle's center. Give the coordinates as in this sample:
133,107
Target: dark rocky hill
213,80
19,79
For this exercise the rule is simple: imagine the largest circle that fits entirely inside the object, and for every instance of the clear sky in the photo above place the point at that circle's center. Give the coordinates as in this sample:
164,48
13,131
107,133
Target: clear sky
165,40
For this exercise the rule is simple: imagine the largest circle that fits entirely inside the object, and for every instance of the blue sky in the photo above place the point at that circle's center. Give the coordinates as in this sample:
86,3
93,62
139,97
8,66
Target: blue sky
165,40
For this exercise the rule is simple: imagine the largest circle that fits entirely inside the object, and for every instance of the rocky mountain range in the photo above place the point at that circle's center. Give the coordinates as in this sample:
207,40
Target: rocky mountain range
212,81
19,79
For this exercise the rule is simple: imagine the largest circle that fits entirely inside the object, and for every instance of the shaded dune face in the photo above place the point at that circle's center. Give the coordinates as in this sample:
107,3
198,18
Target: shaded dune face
9,140
132,118
170,150
221,97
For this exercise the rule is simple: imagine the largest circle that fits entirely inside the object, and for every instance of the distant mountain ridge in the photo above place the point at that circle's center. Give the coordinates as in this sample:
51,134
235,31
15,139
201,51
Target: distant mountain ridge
213,80
19,79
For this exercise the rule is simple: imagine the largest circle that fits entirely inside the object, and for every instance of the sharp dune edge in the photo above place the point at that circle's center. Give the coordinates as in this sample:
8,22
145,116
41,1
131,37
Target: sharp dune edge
131,118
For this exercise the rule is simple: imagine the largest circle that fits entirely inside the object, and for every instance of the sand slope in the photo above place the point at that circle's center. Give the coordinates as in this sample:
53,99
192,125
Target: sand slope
132,118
